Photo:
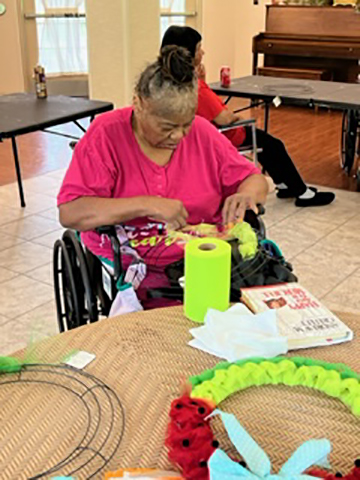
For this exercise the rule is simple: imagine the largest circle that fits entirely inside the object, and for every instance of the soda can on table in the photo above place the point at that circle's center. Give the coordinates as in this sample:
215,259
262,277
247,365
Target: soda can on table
225,76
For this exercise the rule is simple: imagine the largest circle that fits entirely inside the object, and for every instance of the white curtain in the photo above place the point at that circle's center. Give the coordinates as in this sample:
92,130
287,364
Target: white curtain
62,41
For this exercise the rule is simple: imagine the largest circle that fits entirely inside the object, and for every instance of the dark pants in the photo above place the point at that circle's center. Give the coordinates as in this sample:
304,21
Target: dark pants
276,161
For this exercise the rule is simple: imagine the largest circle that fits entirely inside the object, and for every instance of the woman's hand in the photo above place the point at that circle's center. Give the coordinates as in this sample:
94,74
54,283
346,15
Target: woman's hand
169,211
236,205
201,72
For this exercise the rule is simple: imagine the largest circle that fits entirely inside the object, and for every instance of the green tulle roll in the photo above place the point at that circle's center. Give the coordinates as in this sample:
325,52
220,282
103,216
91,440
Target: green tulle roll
207,277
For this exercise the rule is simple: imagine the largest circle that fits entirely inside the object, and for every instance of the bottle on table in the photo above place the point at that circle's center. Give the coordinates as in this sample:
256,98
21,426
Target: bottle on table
40,82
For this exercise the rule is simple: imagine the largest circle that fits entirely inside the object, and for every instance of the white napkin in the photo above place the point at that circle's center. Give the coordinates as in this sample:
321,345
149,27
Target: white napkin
237,334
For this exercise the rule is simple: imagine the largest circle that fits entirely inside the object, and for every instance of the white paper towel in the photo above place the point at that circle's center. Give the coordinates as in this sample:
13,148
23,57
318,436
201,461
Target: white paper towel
237,334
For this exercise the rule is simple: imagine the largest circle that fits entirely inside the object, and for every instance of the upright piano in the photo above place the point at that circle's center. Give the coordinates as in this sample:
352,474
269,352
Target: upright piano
318,43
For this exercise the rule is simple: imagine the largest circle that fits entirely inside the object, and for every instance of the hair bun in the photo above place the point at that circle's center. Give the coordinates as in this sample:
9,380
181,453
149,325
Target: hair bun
176,64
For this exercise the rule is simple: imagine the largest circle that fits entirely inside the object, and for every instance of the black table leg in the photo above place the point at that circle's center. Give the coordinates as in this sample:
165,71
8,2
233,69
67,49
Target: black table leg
266,116
18,173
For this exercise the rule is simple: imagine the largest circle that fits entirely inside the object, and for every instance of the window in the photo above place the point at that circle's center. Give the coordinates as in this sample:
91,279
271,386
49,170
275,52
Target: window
62,41
169,7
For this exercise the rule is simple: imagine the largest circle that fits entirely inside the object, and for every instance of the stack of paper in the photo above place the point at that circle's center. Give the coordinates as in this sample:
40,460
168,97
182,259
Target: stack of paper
237,334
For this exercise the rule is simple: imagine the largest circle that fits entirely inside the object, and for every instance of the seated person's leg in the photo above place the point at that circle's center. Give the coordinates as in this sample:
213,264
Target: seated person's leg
277,162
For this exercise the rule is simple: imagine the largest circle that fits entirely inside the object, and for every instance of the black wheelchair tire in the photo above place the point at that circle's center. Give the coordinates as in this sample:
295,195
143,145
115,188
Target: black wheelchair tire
349,140
86,297
67,304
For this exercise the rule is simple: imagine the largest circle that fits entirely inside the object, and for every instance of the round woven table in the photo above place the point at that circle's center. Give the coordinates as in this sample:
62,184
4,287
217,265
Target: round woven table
143,357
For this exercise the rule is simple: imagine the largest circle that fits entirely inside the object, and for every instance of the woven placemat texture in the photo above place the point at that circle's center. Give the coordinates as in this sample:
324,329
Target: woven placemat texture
144,357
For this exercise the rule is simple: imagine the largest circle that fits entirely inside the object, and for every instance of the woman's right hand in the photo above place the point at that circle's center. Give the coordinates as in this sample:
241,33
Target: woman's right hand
167,210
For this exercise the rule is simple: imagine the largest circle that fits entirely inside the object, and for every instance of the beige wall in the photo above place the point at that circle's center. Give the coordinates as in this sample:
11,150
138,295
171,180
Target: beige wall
123,35
227,28
251,21
12,77
219,35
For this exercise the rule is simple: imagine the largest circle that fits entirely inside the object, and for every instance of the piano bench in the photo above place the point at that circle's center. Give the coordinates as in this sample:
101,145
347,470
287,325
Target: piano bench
303,73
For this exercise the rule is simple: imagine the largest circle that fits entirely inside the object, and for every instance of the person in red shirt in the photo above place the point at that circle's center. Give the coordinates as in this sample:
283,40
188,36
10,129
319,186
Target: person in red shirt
274,157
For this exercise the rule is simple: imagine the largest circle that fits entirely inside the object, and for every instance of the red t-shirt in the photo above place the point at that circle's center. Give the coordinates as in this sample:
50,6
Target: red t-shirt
210,106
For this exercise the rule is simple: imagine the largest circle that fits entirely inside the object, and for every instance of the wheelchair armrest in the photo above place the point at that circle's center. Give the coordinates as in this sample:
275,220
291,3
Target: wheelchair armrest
239,123
110,231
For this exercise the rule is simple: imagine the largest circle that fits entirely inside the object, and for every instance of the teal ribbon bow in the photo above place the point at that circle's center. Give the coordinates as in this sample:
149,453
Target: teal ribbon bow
221,467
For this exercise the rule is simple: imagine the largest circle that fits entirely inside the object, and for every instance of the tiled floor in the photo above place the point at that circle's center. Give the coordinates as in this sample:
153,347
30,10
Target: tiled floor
323,245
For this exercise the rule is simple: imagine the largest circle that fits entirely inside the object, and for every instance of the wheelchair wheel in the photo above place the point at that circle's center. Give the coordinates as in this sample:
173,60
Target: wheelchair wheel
349,138
66,296
75,301
86,297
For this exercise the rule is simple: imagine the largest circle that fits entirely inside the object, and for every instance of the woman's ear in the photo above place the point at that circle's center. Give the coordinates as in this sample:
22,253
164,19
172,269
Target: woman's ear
137,104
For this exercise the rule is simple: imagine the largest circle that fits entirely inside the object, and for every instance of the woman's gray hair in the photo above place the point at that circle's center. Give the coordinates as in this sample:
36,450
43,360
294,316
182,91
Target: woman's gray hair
171,81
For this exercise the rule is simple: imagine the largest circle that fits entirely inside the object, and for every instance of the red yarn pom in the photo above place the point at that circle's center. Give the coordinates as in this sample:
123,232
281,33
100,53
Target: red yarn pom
190,441
317,472
189,437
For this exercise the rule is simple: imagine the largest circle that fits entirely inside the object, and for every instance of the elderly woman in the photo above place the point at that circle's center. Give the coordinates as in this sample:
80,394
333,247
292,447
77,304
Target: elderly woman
274,156
156,165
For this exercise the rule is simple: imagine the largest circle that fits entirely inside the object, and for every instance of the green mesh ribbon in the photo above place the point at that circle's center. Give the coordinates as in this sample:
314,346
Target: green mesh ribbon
335,380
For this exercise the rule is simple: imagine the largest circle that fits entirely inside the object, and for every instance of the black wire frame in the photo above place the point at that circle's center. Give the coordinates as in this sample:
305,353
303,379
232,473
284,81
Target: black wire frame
88,386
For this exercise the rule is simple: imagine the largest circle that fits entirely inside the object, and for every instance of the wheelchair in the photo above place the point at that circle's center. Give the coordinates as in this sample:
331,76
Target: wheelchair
85,286
350,143
249,151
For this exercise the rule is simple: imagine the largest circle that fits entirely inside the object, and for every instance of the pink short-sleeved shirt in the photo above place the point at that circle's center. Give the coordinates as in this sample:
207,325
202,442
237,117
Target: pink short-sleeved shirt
108,162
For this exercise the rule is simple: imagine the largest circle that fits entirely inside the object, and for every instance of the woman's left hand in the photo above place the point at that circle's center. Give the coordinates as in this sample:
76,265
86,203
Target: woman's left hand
235,207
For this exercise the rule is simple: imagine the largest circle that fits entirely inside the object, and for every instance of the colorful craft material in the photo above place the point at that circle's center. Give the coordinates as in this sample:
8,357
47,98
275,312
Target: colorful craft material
142,473
9,365
207,277
334,380
258,465
190,439
248,241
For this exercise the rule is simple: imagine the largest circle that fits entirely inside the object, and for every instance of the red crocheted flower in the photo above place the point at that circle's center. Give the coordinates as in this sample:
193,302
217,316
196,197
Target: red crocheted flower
353,475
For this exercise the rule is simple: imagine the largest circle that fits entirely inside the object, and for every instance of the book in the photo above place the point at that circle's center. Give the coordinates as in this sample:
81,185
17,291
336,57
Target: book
301,317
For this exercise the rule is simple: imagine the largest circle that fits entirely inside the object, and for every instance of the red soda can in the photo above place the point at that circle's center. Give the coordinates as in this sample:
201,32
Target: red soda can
225,77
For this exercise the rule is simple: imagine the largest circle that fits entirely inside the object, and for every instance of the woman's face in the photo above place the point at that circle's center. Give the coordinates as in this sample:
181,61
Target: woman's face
162,131
199,53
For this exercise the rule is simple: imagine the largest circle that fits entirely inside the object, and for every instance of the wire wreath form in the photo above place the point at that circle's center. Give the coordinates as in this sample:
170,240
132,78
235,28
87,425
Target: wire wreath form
102,430
190,439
